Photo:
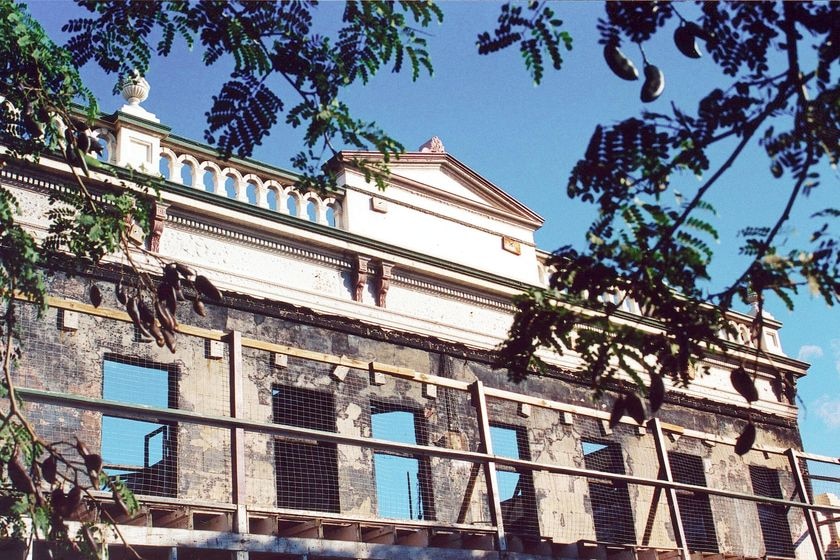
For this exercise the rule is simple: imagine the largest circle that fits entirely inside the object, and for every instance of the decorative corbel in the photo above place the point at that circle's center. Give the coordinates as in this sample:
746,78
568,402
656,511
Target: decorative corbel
360,267
383,281
158,222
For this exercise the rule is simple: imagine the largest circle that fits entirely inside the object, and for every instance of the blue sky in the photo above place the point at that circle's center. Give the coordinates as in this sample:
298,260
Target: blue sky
526,139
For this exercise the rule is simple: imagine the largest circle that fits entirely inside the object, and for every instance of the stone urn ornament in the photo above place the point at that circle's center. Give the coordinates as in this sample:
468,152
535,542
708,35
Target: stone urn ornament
134,87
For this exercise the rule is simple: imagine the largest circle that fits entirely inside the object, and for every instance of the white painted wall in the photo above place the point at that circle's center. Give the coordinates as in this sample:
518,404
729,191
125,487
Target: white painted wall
438,227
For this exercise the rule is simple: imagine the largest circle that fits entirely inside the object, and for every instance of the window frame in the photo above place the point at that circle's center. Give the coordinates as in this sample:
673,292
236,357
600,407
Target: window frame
529,524
626,534
694,501
771,487
319,452
169,446
424,472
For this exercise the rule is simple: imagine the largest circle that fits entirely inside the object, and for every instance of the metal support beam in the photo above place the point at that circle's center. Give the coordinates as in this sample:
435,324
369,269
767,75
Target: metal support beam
799,480
237,438
479,401
671,494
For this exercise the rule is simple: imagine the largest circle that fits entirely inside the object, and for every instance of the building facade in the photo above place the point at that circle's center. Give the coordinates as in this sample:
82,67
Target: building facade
341,403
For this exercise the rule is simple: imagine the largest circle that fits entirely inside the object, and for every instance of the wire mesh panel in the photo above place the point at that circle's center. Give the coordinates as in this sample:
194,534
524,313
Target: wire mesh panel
307,470
773,519
612,511
763,529
74,354
143,453
695,508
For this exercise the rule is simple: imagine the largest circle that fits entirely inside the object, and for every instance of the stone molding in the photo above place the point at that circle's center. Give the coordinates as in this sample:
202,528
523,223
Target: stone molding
158,224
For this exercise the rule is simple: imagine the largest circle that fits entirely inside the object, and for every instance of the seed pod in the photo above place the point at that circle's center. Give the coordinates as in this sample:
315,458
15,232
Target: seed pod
185,271
83,142
69,138
654,83
167,321
146,314
169,339
74,499
685,38
48,469
743,383
120,292
96,147
198,307
19,477
166,294
207,289
746,440
634,407
59,502
134,313
776,169
157,334
170,274
93,463
95,295
618,62
656,392
619,407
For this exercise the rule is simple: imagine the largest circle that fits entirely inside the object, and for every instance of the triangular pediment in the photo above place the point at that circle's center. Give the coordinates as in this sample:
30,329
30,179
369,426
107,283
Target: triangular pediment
442,176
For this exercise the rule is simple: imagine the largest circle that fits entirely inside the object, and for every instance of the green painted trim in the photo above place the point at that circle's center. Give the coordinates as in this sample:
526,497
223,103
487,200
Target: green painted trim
121,117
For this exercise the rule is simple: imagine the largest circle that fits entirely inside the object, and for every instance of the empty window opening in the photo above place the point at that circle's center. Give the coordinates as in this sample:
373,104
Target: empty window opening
187,172
332,219
695,509
105,156
271,199
611,509
306,470
292,205
142,453
208,181
312,211
163,166
402,481
775,528
251,193
516,487
230,187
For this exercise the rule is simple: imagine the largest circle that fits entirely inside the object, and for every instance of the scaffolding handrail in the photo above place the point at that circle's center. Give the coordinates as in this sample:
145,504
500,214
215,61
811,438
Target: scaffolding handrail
149,413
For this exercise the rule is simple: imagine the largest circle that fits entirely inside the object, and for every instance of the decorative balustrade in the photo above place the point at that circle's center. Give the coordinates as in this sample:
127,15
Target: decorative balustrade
223,179
263,192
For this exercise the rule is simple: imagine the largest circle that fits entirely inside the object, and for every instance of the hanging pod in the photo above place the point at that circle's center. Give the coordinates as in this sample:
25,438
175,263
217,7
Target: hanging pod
685,38
620,64
654,83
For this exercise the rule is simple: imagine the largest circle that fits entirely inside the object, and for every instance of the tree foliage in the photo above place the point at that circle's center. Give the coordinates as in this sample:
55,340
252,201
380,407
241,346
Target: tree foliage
657,254
640,247
281,63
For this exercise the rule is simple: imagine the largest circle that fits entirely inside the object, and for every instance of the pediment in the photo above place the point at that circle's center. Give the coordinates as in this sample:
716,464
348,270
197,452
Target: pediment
440,175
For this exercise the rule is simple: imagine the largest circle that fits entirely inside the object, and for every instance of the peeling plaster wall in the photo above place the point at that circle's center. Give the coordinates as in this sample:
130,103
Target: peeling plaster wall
72,362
